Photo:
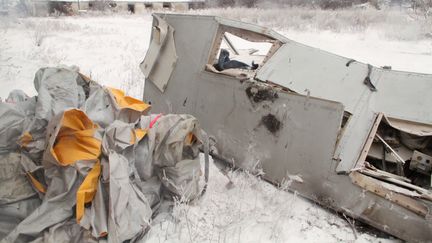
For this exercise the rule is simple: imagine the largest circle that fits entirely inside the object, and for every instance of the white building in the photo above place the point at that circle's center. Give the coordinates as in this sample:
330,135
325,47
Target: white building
45,7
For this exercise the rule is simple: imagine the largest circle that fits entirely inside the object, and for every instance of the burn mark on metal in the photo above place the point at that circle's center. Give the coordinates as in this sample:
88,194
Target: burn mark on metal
184,102
258,94
271,123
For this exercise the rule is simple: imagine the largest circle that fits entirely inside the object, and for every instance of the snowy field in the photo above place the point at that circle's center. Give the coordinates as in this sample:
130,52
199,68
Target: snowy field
108,49
237,207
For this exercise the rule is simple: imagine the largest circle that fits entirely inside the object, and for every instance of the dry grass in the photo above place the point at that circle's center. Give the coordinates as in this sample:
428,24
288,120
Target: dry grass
393,23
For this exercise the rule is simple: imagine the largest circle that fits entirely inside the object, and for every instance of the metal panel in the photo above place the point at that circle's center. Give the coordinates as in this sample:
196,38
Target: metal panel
158,38
193,53
320,74
161,51
403,95
241,128
303,69
353,139
309,70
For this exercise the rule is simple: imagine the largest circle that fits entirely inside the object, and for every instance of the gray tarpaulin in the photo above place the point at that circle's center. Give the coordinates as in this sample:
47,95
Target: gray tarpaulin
17,197
58,89
175,156
16,96
130,210
12,124
85,163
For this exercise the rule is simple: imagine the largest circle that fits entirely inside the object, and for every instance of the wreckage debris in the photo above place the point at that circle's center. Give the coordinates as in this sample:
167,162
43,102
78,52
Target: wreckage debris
84,163
327,111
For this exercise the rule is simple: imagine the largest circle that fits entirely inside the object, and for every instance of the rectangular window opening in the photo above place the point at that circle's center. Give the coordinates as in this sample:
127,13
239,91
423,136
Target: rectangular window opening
240,53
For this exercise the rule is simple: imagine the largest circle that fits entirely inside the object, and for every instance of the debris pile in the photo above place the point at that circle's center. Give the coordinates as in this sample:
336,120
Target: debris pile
81,162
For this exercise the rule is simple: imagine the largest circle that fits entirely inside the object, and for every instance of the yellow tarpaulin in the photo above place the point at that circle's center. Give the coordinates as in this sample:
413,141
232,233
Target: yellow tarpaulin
137,135
75,139
127,101
25,139
41,188
87,190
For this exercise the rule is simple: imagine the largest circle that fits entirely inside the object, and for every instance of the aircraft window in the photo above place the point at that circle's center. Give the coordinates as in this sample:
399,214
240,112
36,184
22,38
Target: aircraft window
240,53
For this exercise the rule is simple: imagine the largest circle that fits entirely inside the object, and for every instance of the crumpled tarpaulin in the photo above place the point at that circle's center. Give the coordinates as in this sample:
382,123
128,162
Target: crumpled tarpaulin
85,163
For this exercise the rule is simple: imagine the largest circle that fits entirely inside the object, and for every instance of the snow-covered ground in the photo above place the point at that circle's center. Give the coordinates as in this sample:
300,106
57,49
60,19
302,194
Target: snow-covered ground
372,47
108,49
237,207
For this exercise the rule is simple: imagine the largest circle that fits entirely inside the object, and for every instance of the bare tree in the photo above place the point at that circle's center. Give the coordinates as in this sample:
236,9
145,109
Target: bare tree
423,7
